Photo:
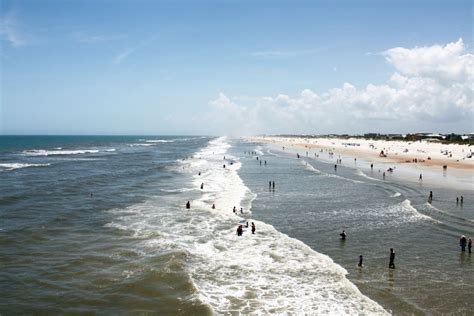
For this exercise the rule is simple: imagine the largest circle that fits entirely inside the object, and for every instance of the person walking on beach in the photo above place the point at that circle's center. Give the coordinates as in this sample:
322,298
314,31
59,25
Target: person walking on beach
421,177
253,228
469,245
462,243
391,264
343,235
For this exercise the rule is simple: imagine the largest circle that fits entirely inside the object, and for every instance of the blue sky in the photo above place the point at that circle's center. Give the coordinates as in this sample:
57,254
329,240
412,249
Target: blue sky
191,67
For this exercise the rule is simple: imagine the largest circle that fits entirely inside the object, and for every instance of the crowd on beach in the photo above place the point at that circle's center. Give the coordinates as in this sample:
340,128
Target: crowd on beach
463,241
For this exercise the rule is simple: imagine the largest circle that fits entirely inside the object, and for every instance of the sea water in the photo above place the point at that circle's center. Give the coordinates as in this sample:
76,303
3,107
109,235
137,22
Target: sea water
97,224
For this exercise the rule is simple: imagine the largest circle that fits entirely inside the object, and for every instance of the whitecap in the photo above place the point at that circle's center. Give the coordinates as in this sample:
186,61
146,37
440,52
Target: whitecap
13,166
43,152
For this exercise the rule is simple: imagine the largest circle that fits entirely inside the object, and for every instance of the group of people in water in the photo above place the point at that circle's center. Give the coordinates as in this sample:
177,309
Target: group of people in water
463,242
234,210
240,228
391,263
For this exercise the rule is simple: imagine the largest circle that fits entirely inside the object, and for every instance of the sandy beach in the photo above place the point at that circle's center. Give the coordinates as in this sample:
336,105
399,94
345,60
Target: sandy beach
427,154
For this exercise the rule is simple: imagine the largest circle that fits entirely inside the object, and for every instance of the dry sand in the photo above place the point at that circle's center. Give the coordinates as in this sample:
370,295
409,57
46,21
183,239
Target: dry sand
426,153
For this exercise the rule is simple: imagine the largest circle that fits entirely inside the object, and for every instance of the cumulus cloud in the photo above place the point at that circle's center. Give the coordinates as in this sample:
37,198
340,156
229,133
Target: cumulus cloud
431,88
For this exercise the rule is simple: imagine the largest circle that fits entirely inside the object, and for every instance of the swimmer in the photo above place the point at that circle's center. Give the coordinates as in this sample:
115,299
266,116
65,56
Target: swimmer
462,199
430,197
273,185
253,228
421,177
343,235
469,245
360,265
241,211
202,186
239,230
213,206
391,264
188,205
234,210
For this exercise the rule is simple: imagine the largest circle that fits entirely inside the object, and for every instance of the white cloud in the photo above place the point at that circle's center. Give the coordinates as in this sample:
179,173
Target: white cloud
431,89
447,62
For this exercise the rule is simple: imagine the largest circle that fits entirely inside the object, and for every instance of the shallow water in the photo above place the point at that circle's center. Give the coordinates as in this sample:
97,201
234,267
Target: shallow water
97,224
314,203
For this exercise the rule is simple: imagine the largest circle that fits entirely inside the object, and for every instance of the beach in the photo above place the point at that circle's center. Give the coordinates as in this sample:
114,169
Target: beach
99,224
431,154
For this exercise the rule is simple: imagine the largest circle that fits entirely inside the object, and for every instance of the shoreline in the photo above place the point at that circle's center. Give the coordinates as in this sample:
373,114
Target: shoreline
458,174
427,154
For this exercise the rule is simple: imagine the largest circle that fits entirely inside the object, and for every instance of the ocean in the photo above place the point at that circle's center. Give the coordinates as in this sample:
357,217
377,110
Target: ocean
98,224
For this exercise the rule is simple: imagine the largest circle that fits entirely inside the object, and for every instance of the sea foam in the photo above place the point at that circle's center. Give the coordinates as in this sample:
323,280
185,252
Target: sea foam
263,273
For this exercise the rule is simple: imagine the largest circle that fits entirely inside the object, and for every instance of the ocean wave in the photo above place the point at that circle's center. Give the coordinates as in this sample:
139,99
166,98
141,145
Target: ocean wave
159,141
43,152
445,213
362,174
263,273
406,204
13,166
328,175
140,144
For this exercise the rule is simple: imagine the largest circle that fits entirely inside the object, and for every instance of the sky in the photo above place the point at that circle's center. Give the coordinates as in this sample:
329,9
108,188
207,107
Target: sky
235,67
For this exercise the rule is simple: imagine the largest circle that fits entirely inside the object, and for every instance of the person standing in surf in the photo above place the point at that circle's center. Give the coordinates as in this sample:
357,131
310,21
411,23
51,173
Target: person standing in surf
253,228
462,243
391,264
